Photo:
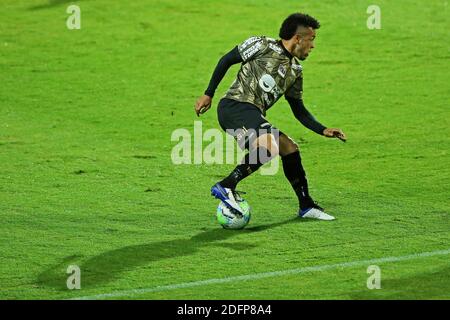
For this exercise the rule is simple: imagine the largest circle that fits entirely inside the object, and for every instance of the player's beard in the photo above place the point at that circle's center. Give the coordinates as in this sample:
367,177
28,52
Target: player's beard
298,52
303,55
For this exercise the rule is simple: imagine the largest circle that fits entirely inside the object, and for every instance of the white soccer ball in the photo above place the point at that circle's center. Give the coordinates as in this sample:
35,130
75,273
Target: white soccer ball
229,220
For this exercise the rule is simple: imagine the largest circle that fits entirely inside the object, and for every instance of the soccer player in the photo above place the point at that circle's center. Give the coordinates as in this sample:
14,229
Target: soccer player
269,69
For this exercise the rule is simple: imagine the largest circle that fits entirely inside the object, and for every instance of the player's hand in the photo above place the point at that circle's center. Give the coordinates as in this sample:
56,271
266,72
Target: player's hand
335,133
203,104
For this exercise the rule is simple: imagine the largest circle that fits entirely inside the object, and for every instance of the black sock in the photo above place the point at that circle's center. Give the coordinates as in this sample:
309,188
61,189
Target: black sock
294,172
251,162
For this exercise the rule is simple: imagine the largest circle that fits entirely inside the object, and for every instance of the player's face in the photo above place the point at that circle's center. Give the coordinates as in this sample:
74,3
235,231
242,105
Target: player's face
304,45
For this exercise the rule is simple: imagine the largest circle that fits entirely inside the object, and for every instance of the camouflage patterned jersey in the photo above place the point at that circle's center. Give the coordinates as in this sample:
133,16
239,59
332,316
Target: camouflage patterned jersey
267,72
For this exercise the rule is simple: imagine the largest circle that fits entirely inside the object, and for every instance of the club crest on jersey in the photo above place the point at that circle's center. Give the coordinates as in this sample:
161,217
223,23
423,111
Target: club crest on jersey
282,70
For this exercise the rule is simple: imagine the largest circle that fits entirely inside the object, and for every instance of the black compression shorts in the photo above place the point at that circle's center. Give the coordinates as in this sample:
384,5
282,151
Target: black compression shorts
244,121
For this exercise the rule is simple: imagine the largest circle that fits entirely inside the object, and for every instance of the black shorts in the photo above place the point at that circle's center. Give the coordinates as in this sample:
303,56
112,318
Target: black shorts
244,121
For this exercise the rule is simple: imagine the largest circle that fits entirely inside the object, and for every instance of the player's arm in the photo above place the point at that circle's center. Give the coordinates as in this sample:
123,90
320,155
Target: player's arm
304,116
307,119
231,58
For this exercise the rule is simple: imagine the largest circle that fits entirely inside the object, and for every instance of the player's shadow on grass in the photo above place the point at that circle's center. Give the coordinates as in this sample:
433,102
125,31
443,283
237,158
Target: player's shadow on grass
52,3
107,266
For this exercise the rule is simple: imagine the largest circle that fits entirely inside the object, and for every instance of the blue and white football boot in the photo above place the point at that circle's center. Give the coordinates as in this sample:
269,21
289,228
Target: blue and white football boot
228,196
315,212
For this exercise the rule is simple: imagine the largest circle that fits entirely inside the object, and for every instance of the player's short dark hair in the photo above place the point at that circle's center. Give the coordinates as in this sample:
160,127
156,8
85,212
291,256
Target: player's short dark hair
291,23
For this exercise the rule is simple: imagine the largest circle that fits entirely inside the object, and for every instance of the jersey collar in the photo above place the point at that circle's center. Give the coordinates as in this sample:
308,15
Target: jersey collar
286,52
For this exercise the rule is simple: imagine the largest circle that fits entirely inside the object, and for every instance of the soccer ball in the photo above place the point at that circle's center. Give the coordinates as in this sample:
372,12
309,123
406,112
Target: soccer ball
228,220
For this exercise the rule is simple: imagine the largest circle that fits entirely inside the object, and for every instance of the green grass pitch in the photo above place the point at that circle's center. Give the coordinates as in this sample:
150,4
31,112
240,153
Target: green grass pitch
86,176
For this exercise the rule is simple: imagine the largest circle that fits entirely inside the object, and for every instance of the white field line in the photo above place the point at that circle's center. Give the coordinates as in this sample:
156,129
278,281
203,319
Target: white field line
263,275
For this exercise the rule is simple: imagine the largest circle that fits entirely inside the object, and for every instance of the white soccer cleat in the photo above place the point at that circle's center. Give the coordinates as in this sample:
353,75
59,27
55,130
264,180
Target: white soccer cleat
229,197
315,213
233,200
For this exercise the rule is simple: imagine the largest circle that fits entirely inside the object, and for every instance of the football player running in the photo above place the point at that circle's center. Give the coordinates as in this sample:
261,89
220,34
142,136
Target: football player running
269,69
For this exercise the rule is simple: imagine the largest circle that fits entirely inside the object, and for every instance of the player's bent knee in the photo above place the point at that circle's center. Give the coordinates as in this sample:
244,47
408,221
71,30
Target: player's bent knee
293,147
268,142
287,146
274,151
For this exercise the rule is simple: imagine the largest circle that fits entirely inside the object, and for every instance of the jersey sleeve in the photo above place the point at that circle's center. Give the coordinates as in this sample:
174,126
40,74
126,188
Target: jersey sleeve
296,90
252,48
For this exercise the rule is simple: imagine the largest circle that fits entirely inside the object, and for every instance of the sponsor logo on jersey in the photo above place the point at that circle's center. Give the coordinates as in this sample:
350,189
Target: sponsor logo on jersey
249,52
267,83
266,98
296,67
275,48
249,41
270,88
